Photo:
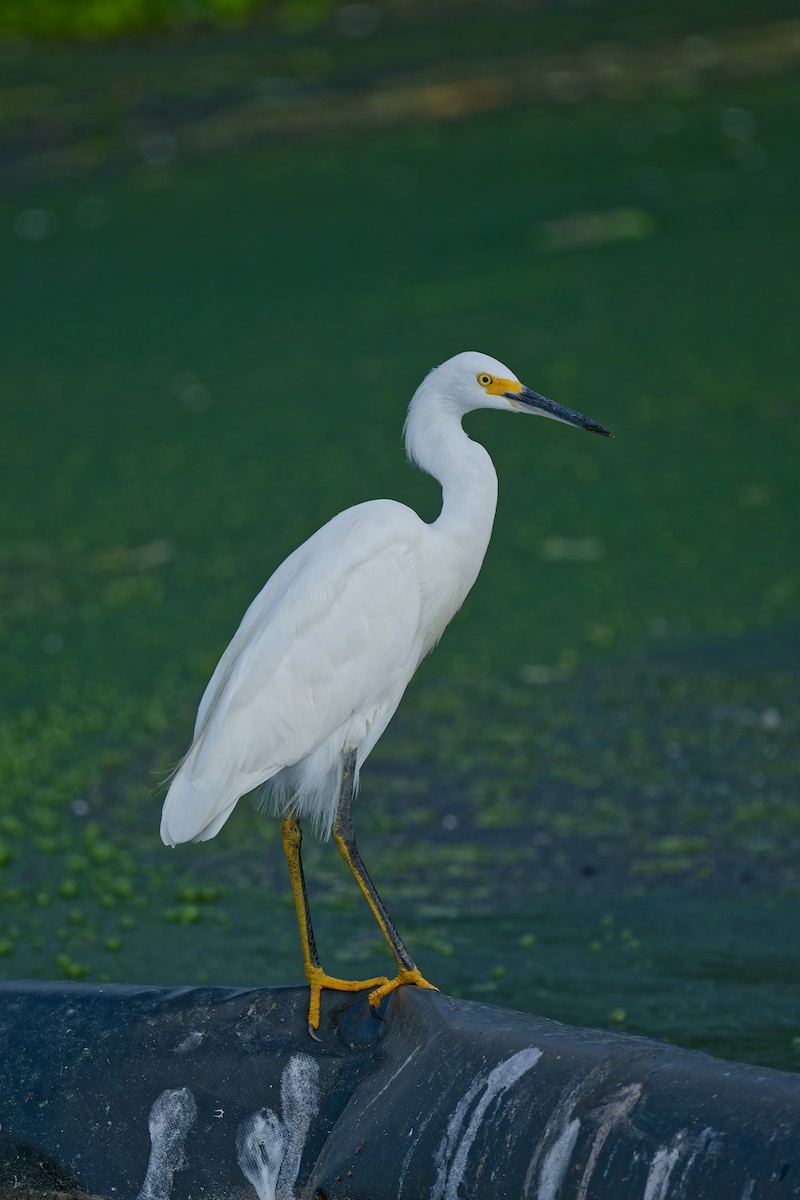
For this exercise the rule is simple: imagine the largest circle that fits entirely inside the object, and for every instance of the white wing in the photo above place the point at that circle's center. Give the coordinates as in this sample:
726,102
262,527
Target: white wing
332,635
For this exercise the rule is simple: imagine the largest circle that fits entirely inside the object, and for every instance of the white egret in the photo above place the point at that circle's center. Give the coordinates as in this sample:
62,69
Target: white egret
325,651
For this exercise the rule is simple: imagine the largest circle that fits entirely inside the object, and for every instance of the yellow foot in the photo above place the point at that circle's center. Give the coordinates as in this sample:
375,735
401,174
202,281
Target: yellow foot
318,980
403,976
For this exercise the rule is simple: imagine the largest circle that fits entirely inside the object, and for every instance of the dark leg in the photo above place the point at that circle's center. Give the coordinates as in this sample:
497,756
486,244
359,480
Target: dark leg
292,839
292,836
346,841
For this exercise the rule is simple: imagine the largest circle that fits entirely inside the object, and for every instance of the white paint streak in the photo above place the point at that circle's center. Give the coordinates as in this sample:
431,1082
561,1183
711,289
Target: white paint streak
453,1151
300,1099
423,1120
556,1162
609,1115
270,1148
171,1118
190,1042
556,1124
261,1141
702,1142
392,1078
444,1150
423,1125
667,1158
661,1168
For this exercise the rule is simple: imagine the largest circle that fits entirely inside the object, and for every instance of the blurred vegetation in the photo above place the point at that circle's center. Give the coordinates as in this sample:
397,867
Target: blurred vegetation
232,255
104,18
101,18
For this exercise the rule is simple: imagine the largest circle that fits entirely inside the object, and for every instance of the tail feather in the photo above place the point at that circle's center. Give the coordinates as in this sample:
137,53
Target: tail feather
189,813
199,802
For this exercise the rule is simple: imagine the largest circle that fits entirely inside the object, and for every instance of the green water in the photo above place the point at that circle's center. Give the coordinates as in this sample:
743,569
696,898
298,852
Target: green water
587,805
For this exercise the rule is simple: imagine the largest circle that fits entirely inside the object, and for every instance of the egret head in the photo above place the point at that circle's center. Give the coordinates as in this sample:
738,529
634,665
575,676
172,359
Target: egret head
472,380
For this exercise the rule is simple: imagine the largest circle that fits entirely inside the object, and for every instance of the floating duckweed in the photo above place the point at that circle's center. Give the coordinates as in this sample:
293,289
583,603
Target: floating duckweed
499,971
113,944
108,900
76,863
6,947
42,899
12,895
185,914
123,887
677,845
127,922
69,889
45,820
189,894
76,917
103,852
48,845
618,1016
11,824
6,854
661,866
595,947
528,939
76,970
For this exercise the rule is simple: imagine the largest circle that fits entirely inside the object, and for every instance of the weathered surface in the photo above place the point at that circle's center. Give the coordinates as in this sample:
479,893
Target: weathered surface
155,1093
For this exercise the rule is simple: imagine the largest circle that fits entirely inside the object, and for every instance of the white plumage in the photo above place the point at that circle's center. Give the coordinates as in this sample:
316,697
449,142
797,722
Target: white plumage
325,651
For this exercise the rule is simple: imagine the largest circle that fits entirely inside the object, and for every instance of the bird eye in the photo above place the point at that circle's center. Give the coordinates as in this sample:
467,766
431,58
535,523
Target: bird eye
484,380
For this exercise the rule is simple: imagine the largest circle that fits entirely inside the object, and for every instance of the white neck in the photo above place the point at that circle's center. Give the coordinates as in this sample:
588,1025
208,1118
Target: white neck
438,445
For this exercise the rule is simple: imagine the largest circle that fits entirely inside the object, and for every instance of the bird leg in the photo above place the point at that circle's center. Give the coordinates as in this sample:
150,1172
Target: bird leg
407,971
292,838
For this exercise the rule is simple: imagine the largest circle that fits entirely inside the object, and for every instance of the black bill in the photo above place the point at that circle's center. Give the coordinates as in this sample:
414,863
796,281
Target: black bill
557,412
